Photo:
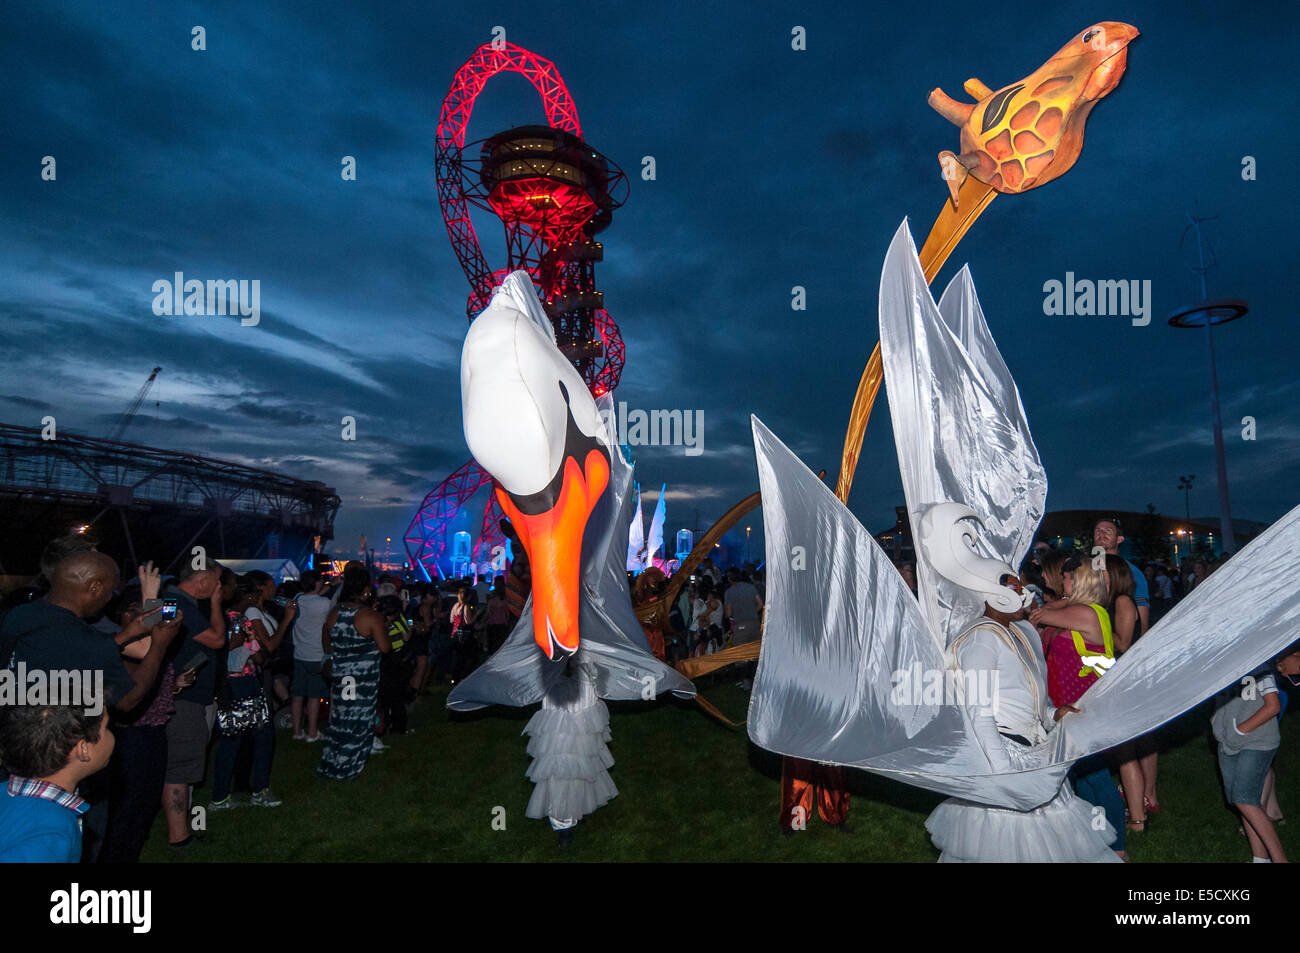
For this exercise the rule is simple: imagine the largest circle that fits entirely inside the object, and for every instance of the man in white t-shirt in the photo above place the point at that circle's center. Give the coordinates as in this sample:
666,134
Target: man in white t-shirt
309,655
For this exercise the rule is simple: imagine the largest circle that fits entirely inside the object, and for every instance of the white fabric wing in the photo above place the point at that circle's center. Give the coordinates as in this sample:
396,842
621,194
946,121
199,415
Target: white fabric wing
655,541
1246,612
846,652
636,535
959,424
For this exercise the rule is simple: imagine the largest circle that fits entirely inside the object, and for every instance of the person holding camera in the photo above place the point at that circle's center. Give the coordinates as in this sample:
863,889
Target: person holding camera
243,715
203,635
139,766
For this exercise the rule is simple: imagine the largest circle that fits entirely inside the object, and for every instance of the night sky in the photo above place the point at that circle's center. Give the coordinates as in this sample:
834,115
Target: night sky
775,168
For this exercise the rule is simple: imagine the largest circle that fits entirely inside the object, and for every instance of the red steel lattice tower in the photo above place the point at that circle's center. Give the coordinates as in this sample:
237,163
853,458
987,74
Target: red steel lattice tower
553,193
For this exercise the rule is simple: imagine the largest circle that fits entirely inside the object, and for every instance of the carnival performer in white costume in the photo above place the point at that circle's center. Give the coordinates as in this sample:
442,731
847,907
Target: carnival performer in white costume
568,742
1007,650
559,476
844,636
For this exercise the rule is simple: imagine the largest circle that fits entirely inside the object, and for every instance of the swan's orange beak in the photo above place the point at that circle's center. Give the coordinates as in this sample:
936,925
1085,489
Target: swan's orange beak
553,541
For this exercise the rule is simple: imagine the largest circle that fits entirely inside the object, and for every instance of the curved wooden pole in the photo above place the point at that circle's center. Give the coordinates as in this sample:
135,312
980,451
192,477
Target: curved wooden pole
655,613
863,401
973,198
948,230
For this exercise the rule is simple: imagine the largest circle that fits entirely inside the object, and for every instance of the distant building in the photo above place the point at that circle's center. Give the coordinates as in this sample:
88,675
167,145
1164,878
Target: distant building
1147,536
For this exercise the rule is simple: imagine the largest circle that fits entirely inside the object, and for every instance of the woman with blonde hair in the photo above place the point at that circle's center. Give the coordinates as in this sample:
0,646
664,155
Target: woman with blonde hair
1080,647
1074,627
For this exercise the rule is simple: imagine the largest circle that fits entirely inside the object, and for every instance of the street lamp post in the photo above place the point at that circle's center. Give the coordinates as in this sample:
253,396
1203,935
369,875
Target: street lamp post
1185,484
1207,314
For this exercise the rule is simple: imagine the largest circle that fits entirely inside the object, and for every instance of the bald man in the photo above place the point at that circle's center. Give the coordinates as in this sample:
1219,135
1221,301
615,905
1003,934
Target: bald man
51,634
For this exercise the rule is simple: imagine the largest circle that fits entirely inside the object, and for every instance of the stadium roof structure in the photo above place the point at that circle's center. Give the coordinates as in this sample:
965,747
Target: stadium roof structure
162,494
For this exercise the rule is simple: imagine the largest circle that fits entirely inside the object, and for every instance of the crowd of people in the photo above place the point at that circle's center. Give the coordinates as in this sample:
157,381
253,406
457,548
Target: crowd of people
200,667
714,610
204,664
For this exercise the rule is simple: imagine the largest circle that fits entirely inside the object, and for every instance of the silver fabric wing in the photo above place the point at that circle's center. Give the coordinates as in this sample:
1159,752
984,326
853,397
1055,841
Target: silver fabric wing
959,424
612,641
845,646
845,642
843,636
1246,612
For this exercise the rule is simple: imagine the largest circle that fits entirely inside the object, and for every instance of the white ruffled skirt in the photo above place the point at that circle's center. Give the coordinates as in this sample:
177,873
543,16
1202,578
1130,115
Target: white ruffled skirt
567,742
1067,829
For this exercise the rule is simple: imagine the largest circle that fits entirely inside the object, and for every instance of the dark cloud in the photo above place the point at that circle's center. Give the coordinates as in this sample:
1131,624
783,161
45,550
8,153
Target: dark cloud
25,402
143,421
775,168
279,415
412,465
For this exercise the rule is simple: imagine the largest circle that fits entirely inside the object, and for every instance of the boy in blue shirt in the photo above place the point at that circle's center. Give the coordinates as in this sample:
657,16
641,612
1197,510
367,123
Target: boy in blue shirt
49,750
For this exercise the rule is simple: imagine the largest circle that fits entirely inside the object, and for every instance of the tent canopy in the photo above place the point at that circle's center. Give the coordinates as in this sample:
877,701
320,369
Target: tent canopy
278,569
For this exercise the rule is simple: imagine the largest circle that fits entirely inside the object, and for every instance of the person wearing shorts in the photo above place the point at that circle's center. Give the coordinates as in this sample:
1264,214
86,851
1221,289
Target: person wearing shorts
308,687
188,731
1245,724
202,635
308,682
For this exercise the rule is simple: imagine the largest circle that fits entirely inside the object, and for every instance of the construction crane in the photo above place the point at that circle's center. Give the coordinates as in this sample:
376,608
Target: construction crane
133,407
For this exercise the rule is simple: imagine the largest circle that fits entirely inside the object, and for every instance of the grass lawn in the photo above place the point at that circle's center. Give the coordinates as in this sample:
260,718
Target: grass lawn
690,789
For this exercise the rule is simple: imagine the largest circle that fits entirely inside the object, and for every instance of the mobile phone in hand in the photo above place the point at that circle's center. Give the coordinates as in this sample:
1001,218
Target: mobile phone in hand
151,618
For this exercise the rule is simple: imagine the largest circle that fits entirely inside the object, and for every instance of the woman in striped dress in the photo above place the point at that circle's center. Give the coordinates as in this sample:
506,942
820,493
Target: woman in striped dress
357,637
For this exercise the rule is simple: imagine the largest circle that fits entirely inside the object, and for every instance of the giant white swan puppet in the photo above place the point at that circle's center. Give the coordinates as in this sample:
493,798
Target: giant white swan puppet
532,424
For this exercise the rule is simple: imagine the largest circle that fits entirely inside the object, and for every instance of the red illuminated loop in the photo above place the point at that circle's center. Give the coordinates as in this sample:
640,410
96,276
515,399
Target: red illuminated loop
561,113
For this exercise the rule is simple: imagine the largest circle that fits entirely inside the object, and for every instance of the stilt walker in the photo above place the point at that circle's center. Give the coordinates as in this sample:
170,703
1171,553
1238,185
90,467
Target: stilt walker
531,423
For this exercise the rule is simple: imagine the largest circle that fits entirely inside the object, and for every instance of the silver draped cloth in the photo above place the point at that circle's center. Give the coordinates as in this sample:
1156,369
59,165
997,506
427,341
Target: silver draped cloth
845,639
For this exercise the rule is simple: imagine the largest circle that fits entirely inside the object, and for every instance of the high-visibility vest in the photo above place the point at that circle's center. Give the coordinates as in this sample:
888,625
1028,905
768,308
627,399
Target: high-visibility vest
1097,668
398,632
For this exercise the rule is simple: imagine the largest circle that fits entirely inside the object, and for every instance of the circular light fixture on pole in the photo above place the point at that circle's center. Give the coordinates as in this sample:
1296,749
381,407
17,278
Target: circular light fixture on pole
1206,314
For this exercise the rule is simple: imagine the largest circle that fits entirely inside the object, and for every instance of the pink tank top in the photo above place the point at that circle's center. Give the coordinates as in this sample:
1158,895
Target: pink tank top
1064,684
